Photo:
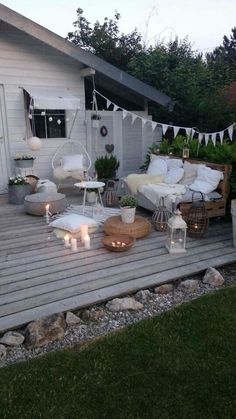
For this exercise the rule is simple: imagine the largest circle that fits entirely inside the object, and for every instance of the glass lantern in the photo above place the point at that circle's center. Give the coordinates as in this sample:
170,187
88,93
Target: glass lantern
110,195
185,153
176,233
197,217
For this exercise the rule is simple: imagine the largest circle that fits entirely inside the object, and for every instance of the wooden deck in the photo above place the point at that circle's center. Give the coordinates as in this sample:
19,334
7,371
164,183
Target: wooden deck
39,276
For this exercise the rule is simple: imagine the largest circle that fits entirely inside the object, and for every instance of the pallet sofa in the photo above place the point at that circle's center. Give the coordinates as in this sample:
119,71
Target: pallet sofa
216,207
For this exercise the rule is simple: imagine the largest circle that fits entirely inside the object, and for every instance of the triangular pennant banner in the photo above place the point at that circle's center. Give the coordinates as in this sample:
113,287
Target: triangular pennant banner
154,124
230,131
164,128
206,138
115,107
188,131
200,137
213,138
108,103
176,130
221,134
125,113
134,117
143,122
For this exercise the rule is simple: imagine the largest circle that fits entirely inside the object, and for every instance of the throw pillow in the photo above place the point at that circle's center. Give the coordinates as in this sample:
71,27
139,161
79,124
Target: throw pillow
174,163
72,223
72,162
174,175
157,156
157,167
190,173
207,180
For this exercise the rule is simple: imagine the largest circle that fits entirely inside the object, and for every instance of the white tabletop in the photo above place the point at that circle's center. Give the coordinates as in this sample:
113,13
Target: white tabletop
90,185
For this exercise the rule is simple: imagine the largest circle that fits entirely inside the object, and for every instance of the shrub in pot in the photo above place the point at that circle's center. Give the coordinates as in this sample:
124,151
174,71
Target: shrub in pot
106,167
128,204
18,189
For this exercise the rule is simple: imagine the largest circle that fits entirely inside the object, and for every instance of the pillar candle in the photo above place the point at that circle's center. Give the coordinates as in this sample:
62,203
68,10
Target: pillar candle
87,242
73,243
67,240
83,231
47,213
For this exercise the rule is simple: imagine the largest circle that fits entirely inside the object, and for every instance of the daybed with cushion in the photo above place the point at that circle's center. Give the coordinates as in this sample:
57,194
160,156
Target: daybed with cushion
176,180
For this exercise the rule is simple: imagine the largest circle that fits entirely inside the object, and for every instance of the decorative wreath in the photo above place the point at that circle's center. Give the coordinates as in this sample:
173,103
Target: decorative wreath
103,131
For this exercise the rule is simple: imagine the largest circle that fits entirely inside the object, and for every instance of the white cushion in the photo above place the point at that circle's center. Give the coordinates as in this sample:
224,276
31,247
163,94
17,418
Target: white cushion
72,162
190,173
72,223
174,175
174,163
157,167
207,180
157,156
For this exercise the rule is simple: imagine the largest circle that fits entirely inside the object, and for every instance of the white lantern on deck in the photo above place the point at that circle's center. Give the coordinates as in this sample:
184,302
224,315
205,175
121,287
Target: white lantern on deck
176,233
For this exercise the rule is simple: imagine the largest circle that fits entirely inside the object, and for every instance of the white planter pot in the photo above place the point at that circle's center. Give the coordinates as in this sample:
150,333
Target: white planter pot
128,214
95,123
91,197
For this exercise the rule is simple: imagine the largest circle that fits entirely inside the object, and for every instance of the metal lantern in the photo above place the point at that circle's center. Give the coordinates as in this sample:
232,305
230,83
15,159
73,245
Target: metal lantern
185,153
197,218
110,195
161,216
176,233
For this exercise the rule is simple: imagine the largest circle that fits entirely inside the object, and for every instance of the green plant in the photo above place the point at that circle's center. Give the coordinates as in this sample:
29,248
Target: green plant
106,167
128,201
17,180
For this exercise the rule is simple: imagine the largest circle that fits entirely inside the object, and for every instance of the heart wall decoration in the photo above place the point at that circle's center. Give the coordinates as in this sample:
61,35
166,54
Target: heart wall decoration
109,148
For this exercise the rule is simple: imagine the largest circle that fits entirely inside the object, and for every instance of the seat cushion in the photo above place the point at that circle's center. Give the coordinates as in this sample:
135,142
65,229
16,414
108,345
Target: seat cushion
73,222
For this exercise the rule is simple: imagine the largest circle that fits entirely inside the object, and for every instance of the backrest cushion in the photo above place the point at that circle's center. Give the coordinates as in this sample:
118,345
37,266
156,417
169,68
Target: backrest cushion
157,156
171,163
207,180
174,175
190,173
157,167
72,162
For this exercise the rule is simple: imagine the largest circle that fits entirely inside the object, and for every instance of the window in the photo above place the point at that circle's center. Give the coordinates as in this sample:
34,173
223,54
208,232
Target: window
49,123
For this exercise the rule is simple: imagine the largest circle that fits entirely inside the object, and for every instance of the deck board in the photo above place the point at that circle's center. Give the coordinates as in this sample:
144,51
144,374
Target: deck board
39,276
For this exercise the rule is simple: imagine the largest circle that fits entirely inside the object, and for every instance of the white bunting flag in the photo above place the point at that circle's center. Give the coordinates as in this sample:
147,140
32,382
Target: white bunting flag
164,128
143,122
213,138
221,134
154,124
200,137
108,103
188,131
134,117
230,131
115,107
176,130
125,113
206,138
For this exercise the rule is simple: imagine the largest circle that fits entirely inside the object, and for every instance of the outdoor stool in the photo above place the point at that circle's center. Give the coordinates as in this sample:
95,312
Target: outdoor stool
36,204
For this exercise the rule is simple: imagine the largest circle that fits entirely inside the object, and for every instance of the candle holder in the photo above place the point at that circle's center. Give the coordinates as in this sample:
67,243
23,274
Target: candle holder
197,217
161,216
185,152
118,243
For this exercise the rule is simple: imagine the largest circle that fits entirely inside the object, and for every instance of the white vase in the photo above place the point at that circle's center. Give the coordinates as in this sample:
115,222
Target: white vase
95,123
128,214
91,197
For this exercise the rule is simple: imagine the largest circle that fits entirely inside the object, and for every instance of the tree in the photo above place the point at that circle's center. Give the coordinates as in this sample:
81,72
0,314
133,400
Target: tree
105,40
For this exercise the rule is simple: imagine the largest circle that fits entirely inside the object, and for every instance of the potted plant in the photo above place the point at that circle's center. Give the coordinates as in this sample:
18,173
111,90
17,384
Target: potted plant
95,117
24,161
128,204
18,188
106,167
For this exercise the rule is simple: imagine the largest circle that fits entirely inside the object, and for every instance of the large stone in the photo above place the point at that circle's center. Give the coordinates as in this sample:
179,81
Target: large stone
143,296
213,277
45,330
12,339
3,352
164,289
121,304
72,319
93,315
189,285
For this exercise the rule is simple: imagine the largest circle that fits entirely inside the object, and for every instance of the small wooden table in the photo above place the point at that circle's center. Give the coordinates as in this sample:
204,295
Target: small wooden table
141,227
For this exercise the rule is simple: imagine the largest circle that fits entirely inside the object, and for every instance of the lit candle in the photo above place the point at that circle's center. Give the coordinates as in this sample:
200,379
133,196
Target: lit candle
83,231
87,242
67,240
47,213
195,226
73,243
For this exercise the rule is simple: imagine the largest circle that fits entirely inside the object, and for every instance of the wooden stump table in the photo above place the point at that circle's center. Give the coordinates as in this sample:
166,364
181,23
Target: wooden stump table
139,228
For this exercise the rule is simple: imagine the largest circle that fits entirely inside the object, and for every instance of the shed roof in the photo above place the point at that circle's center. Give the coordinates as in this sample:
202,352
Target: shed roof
104,70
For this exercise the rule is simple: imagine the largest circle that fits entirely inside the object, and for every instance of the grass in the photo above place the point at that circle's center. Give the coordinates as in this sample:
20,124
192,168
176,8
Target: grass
178,365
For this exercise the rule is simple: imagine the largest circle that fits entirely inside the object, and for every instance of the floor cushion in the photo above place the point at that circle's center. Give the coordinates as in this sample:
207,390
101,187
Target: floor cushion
35,204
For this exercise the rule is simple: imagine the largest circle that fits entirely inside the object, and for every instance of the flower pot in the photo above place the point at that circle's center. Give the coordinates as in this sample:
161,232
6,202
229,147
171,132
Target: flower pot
24,163
91,197
95,123
128,214
17,193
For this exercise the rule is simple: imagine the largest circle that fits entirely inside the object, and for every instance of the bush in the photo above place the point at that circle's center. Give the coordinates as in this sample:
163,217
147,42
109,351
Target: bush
106,167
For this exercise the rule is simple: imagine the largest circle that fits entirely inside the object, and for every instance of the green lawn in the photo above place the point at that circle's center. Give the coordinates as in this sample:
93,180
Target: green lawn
178,365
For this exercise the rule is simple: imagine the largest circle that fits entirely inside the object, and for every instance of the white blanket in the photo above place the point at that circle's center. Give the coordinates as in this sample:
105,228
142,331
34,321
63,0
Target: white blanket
135,180
170,193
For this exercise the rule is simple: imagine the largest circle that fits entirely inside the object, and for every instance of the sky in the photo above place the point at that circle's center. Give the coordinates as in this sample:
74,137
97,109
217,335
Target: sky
204,22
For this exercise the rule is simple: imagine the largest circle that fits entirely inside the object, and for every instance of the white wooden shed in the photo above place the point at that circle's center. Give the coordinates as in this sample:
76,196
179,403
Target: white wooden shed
35,59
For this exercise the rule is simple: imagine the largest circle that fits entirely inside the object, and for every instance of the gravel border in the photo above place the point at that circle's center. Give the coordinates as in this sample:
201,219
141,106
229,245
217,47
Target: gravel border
105,321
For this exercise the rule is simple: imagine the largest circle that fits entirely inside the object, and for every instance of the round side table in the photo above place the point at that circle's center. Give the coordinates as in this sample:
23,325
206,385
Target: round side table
90,185
141,227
